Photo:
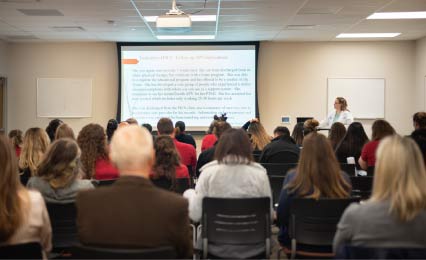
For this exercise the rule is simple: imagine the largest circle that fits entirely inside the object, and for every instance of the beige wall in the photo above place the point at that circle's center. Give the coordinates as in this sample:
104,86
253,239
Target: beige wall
3,58
85,60
421,74
293,78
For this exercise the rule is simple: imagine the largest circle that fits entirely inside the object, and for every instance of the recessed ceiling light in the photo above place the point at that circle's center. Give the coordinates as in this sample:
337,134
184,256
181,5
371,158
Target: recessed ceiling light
367,35
186,37
194,18
398,15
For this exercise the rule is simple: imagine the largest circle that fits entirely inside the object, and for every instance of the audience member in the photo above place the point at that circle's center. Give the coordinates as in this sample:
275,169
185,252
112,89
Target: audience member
167,167
309,126
380,129
208,155
257,134
232,175
51,128
35,145
352,143
58,175
297,133
23,214
94,154
132,212
282,149
210,138
132,121
182,136
148,127
419,136
64,131
317,176
187,152
336,134
15,136
340,114
395,215
110,128
419,120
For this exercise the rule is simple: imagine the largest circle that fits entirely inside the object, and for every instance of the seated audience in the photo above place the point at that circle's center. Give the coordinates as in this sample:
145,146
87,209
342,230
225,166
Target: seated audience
94,153
167,167
310,126
280,148
380,129
110,128
419,136
419,120
15,136
297,134
187,152
395,215
51,128
208,155
132,121
210,138
182,136
58,176
35,145
148,127
23,214
336,134
317,176
64,131
257,134
132,212
232,174
352,143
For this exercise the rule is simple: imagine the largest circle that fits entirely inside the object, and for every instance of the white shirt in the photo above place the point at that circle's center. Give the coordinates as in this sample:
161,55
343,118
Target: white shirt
345,118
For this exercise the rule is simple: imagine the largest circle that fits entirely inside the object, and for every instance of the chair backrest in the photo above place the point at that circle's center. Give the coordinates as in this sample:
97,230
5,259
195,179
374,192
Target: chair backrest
350,169
182,184
362,186
236,221
357,252
283,157
64,228
370,171
100,183
276,174
314,222
256,156
30,250
90,252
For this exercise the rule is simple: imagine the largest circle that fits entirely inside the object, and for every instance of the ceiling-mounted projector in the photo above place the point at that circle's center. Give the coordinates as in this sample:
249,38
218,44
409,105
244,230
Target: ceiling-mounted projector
174,20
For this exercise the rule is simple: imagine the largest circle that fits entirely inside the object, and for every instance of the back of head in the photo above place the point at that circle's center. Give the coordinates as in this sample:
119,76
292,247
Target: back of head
419,120
92,142
419,136
165,126
51,128
310,126
64,131
59,166
180,125
234,146
220,127
297,133
132,121
400,177
258,136
354,139
336,134
147,127
10,203
132,149
111,127
281,131
16,137
34,146
318,170
166,157
380,129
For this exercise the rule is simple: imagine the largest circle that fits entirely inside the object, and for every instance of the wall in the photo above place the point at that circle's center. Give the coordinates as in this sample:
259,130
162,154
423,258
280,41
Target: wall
421,74
86,60
3,58
293,77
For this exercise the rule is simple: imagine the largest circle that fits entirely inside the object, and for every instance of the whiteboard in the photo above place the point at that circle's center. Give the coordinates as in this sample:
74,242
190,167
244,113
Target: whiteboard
365,96
64,97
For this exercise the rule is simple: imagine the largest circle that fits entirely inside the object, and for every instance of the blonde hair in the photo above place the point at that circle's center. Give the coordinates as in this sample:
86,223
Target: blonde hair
400,177
343,103
131,147
258,136
64,131
35,145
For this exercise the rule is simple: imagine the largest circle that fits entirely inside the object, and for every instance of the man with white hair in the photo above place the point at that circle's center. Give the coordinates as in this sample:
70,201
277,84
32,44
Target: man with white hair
133,212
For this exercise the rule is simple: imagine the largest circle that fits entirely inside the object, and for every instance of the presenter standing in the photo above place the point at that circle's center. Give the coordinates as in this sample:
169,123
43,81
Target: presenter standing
340,114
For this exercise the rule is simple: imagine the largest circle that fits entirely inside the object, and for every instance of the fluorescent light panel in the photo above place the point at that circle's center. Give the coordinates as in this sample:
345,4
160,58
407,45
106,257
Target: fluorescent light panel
186,37
367,35
194,18
398,15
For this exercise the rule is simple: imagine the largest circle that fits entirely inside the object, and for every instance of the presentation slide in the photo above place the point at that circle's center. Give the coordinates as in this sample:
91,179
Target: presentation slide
188,83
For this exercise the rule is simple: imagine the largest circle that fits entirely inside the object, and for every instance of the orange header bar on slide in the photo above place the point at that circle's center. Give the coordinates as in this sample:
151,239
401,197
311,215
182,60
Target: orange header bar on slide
130,61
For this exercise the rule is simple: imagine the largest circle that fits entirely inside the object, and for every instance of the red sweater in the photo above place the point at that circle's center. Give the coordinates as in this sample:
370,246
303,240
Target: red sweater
368,153
104,170
208,141
188,155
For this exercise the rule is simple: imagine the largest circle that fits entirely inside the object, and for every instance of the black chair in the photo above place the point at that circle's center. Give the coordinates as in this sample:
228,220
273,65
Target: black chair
357,252
90,252
101,183
256,155
282,157
64,228
276,174
314,223
236,222
362,186
350,169
182,184
370,171
30,250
